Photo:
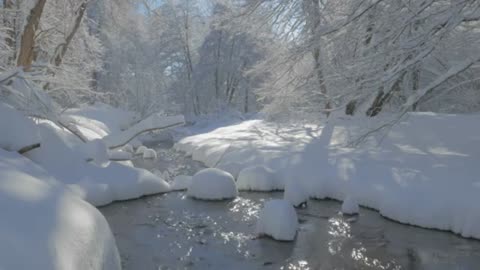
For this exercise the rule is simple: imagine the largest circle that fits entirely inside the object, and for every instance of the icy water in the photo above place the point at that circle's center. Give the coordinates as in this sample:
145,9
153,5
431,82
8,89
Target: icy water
172,231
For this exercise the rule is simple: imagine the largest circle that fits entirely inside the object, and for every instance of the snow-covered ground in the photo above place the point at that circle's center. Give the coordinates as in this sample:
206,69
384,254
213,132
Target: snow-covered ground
46,194
45,226
419,173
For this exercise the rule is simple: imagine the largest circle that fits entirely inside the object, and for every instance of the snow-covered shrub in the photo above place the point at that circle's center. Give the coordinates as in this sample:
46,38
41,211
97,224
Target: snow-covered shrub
212,184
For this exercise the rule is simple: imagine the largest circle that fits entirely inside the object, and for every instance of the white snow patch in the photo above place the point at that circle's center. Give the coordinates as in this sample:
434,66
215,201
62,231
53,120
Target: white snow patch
212,184
350,206
258,178
62,154
181,182
295,193
45,226
278,220
16,130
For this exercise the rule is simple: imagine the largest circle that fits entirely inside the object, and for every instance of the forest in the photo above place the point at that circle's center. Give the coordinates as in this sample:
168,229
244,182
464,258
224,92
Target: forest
226,126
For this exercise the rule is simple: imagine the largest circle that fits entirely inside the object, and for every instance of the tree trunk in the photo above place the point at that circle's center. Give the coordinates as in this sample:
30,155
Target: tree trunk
61,49
312,13
27,45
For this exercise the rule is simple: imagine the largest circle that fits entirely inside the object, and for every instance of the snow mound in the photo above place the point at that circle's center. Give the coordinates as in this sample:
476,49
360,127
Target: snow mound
278,220
67,232
149,154
350,206
16,130
62,155
295,193
212,184
258,178
181,182
98,152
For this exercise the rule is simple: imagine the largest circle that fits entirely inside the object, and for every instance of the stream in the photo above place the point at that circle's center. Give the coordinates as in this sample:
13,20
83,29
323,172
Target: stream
172,231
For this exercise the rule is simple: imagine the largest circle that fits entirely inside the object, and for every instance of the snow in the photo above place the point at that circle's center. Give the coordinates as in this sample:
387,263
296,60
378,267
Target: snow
149,154
258,178
16,130
113,119
153,122
181,182
140,150
295,193
212,184
45,226
97,150
63,155
420,173
350,206
278,220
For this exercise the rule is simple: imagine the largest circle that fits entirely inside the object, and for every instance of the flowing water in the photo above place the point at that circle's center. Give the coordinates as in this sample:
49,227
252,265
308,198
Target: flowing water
172,231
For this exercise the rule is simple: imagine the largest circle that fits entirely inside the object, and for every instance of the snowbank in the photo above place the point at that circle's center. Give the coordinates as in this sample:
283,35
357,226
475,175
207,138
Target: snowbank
212,184
45,226
63,156
16,130
278,220
350,206
423,172
258,178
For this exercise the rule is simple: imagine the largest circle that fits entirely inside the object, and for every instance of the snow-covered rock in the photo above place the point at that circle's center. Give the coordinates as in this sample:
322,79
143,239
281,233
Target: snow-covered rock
45,226
181,182
258,178
350,206
212,184
16,130
295,193
278,220
62,156
149,154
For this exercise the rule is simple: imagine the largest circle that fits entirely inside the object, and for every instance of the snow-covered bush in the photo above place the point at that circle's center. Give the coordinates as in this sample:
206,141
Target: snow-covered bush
278,220
212,184
258,178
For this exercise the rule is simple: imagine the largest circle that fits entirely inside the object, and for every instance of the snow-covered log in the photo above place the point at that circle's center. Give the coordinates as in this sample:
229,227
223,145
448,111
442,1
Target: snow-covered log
152,123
